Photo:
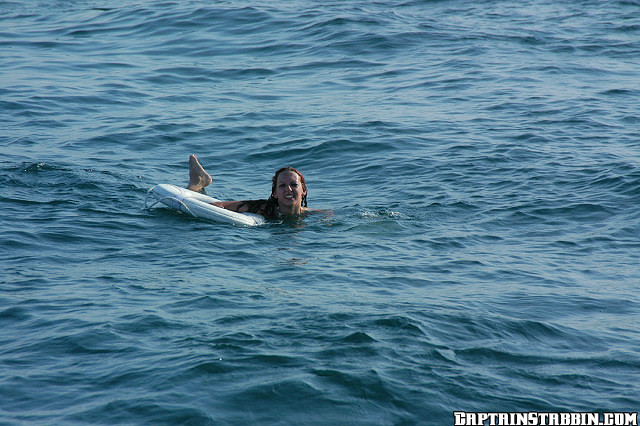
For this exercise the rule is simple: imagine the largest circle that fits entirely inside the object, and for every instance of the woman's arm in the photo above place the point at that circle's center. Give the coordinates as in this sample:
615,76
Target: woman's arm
235,206
242,206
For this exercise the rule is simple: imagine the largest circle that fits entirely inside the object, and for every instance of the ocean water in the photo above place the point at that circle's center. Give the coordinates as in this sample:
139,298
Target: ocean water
477,165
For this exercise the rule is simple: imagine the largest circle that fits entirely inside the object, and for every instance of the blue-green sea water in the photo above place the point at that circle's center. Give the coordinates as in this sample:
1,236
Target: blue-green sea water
479,167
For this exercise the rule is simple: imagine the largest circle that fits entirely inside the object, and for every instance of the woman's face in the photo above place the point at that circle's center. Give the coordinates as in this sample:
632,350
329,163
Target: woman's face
289,191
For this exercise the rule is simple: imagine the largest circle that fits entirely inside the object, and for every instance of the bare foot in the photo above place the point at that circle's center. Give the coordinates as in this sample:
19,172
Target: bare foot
198,177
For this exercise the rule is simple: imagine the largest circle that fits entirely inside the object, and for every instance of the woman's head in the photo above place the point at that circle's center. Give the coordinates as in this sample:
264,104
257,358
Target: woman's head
289,188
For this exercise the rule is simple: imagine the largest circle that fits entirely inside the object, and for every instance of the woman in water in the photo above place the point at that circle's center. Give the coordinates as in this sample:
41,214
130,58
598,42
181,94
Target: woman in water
288,192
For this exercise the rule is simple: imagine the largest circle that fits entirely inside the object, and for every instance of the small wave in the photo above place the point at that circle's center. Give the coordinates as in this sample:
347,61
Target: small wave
382,214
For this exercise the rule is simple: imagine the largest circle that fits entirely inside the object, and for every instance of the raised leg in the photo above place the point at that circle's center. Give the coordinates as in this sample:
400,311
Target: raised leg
198,177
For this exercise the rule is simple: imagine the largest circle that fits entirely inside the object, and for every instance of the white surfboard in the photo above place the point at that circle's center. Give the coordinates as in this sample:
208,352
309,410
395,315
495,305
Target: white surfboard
198,205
